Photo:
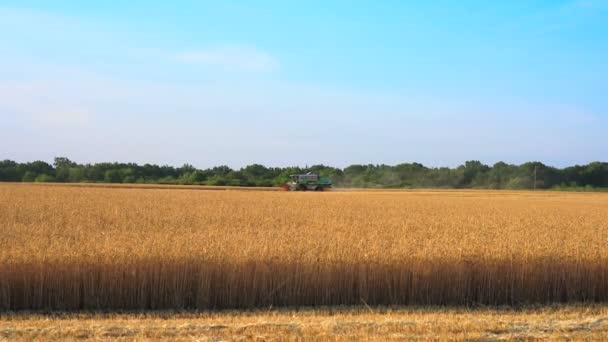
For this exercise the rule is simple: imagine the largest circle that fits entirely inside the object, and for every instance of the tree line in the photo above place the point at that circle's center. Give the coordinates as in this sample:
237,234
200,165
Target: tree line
472,174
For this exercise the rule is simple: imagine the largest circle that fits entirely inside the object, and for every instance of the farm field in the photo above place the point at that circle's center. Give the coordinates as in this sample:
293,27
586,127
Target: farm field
339,324
99,248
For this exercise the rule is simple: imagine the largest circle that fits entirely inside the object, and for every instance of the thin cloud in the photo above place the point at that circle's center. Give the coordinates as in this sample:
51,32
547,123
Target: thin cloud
231,58
43,105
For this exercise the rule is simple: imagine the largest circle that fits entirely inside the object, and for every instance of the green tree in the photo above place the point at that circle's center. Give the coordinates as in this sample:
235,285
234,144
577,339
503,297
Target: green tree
9,171
471,170
112,176
76,174
29,176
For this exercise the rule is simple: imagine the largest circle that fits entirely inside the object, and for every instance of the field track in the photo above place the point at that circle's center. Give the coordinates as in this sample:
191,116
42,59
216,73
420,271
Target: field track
153,186
458,192
83,247
554,323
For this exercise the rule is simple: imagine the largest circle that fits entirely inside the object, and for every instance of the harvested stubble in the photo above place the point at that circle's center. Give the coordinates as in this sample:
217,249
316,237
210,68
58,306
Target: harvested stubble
553,323
66,248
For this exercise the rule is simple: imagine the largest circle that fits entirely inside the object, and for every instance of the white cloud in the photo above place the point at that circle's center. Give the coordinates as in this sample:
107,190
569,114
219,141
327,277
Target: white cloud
231,57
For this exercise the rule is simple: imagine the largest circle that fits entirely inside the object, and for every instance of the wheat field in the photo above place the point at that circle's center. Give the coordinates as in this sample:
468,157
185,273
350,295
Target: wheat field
92,248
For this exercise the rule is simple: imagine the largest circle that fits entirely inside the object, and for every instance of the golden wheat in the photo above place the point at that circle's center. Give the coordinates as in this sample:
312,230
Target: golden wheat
68,248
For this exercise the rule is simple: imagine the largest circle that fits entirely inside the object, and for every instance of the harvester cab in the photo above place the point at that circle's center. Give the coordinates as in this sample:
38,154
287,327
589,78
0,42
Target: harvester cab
308,181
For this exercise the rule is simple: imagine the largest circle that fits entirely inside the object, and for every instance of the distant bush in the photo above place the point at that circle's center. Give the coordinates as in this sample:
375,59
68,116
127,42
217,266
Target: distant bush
44,178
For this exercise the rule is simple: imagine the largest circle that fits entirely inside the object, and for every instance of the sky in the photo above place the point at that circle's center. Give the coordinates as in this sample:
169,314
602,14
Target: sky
285,83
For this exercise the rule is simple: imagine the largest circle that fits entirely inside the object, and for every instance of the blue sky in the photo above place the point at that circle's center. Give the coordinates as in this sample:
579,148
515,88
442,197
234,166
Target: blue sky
294,83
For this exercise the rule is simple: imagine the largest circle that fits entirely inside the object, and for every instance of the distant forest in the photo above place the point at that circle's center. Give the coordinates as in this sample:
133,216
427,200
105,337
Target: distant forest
472,174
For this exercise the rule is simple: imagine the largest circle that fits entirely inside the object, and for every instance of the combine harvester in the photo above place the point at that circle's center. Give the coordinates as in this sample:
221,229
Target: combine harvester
308,181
